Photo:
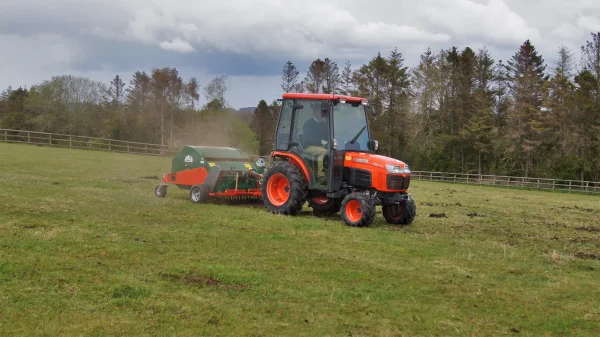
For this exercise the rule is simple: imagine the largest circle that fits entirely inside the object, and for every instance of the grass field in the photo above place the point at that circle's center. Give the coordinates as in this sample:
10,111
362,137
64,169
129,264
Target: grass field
87,249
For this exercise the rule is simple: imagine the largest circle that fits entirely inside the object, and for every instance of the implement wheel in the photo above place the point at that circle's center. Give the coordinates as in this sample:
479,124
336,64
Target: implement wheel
325,205
358,210
284,189
199,194
160,191
402,214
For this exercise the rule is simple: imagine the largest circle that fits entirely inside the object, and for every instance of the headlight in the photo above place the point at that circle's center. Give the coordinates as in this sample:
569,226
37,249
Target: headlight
397,169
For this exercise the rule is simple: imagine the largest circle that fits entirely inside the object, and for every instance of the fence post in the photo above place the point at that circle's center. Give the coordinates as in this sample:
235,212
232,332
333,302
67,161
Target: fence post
5,136
127,147
70,144
28,137
50,139
109,148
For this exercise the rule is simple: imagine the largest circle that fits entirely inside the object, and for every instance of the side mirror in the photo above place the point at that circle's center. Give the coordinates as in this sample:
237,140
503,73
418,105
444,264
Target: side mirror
298,106
373,145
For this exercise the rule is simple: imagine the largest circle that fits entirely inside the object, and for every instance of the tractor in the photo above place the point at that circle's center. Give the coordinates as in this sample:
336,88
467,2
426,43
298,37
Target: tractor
324,155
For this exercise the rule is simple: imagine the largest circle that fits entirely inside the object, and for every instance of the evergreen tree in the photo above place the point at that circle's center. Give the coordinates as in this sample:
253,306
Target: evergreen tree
526,79
590,54
261,124
115,91
346,80
289,77
316,76
397,93
332,76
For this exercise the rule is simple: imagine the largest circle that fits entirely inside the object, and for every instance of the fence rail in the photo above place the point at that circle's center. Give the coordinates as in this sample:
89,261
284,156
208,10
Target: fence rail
81,142
508,181
113,145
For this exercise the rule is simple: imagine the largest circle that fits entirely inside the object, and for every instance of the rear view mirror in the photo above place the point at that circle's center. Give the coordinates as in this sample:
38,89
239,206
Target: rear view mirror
373,145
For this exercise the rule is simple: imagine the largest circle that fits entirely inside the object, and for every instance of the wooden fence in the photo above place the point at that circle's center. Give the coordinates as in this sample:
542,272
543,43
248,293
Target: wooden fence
80,142
590,187
113,145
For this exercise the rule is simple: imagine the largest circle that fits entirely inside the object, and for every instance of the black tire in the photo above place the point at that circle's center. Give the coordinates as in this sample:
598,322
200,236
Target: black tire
160,191
402,214
292,197
365,210
199,194
332,205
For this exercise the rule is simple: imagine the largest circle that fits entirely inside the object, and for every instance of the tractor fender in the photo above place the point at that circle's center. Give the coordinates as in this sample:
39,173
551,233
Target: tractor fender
294,160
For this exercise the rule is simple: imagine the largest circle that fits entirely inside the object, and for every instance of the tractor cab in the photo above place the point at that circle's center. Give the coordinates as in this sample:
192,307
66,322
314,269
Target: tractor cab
324,154
314,127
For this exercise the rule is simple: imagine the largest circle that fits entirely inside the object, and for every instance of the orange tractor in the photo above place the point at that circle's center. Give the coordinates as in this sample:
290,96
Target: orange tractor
324,155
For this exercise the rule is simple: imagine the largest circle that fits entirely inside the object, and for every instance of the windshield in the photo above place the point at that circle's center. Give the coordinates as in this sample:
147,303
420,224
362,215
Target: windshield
348,121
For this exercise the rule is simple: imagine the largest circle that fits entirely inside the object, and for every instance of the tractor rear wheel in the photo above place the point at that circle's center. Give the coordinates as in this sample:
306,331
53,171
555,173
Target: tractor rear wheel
402,214
358,210
325,205
284,189
199,194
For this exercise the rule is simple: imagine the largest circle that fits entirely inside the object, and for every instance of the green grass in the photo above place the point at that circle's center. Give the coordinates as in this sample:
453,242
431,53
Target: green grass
87,249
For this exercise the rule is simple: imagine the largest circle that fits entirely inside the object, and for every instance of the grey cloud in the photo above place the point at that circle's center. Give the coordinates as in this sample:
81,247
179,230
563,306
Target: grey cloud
255,38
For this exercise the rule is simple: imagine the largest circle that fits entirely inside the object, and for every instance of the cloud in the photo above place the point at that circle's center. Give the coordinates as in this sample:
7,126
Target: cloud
177,45
26,59
589,23
306,29
254,39
493,22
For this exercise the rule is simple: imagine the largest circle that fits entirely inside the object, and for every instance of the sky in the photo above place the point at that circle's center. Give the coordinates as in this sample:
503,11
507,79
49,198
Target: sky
250,41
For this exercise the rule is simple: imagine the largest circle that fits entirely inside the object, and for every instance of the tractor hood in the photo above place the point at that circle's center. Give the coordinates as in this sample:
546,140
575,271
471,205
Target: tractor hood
369,159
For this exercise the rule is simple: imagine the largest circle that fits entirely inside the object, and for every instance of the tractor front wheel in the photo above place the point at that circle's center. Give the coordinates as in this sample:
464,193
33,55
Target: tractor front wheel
199,194
358,210
402,214
284,189
325,205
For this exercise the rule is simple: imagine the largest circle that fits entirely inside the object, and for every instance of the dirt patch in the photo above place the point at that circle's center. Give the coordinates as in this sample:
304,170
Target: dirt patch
588,210
431,204
441,215
588,229
151,178
205,281
476,215
582,240
587,256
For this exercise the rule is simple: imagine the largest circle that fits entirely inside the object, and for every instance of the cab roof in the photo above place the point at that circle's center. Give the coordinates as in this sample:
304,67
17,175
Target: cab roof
331,97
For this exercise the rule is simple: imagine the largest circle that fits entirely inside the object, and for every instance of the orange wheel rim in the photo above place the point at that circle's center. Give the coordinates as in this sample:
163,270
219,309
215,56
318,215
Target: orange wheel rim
278,189
321,200
354,210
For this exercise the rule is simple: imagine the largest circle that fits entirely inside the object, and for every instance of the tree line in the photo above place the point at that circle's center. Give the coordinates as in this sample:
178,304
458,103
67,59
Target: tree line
463,111
455,111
